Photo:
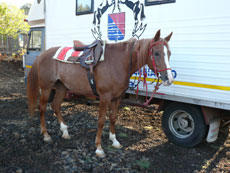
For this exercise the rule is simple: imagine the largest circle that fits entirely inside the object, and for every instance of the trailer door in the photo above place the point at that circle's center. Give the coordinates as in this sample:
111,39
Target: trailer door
36,44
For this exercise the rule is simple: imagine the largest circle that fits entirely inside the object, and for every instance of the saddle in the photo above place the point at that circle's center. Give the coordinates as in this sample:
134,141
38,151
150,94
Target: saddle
91,53
90,57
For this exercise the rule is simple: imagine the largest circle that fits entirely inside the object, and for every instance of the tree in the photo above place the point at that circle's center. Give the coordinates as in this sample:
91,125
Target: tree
12,21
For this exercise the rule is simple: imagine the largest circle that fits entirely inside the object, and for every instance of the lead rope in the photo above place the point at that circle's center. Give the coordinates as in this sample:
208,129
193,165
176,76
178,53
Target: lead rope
153,93
155,71
145,85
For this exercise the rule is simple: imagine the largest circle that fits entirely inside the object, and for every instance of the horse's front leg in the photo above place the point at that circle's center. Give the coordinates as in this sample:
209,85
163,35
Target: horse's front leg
113,117
103,105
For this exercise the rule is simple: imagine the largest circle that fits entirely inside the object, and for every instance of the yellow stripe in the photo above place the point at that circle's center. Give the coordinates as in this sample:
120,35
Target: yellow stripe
28,66
147,79
217,87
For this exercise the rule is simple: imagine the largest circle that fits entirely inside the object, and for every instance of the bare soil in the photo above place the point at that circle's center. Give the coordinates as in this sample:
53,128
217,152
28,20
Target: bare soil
145,146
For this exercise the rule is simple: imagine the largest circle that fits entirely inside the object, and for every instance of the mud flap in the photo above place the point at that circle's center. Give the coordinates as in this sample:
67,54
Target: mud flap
213,130
212,118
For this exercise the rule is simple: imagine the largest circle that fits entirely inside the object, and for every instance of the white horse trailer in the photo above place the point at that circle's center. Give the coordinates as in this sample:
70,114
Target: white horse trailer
194,104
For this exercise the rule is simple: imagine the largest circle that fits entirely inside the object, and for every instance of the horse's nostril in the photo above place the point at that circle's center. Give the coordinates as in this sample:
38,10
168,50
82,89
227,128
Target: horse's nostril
166,78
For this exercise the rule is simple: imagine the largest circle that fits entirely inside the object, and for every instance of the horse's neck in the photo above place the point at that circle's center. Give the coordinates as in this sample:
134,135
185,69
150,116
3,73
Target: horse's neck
131,56
140,54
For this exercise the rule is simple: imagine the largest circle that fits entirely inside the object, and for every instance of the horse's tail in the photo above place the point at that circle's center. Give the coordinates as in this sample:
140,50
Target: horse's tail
32,88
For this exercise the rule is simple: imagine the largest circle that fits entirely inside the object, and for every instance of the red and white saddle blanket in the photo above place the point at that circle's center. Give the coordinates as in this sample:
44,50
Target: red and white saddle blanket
63,53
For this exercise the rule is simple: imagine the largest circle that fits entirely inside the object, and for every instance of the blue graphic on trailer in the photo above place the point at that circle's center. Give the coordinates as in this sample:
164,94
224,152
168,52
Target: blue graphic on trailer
150,74
116,26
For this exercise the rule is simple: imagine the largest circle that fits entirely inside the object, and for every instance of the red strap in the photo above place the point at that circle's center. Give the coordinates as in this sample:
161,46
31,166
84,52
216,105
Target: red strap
152,44
153,93
139,79
145,83
164,69
156,71
154,65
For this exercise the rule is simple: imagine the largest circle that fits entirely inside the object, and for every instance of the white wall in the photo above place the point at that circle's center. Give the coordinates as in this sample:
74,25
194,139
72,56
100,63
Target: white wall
200,44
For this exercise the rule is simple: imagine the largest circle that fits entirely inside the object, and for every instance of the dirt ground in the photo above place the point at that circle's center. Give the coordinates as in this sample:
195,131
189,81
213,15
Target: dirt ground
145,146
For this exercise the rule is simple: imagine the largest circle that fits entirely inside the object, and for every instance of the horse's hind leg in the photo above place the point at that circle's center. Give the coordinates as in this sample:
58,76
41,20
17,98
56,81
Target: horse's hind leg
113,117
43,101
60,93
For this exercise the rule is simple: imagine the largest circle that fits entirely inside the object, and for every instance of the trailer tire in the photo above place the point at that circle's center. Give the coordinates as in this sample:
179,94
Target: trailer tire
184,124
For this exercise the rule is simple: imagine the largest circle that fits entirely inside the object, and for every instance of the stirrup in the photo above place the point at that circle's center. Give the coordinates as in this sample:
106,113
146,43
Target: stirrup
89,61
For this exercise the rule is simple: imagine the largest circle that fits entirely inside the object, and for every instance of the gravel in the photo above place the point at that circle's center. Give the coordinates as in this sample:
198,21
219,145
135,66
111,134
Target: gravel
145,146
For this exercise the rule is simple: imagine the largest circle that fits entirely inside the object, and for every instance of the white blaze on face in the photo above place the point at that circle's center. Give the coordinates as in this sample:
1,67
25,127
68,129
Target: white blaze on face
169,72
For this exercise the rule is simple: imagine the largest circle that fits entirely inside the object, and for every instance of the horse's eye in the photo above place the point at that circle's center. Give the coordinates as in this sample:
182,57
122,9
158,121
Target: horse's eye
157,54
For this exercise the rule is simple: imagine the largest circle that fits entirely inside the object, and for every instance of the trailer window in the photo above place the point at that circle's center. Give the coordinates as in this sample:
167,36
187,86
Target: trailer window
157,2
84,7
35,40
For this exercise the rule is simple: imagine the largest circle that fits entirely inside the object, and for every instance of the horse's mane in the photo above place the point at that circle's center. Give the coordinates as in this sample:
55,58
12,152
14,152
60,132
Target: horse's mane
141,48
129,41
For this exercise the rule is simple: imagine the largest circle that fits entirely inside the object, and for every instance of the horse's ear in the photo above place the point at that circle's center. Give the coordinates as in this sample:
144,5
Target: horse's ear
157,36
168,37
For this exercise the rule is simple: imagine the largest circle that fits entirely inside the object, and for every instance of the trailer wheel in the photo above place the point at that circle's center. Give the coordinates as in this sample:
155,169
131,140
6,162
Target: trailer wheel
184,124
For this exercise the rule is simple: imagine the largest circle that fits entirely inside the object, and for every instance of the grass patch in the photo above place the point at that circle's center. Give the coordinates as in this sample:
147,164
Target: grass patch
122,135
110,148
143,163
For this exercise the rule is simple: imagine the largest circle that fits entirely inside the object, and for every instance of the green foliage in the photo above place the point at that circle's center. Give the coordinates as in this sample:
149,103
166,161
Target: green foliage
12,21
123,135
143,163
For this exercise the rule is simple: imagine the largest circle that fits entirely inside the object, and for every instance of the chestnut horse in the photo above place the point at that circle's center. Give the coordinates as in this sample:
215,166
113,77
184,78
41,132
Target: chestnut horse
112,75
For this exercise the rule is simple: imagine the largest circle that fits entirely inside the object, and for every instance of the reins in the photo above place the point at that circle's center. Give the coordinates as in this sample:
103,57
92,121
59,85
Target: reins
155,70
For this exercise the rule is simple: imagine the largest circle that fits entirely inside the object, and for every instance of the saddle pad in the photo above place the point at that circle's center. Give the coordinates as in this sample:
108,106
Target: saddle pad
63,53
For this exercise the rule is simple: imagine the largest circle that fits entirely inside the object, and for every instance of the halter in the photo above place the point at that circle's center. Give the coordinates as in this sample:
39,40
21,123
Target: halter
155,70
152,44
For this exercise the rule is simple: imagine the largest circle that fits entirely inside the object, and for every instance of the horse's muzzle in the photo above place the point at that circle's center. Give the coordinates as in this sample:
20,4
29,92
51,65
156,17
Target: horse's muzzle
167,78
167,83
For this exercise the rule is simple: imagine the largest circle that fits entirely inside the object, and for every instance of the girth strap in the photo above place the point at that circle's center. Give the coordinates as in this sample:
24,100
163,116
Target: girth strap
92,83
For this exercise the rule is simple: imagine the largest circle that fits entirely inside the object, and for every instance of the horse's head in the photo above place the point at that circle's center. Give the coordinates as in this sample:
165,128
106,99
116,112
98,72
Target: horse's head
159,55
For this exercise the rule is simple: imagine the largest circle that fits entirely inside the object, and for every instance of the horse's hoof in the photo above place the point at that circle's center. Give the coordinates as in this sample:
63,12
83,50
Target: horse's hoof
117,145
100,153
65,136
48,139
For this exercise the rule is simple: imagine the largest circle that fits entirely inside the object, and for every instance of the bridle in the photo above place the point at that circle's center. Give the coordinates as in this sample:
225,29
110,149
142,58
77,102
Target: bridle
155,70
151,54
